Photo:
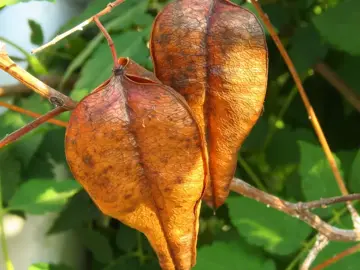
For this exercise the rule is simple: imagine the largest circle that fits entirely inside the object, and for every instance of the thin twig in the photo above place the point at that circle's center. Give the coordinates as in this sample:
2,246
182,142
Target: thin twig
338,257
29,127
55,97
331,232
327,201
31,114
109,40
312,116
320,244
80,26
333,78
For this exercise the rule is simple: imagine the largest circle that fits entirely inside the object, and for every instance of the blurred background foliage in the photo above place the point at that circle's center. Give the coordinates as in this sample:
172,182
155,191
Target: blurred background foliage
281,155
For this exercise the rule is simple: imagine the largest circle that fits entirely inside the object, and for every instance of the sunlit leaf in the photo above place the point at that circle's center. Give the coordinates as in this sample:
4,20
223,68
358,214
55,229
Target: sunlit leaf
41,196
267,227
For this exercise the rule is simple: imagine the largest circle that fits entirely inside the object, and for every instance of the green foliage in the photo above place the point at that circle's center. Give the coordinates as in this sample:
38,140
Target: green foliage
42,196
81,206
97,243
339,23
307,48
10,169
317,177
281,155
37,36
265,227
126,238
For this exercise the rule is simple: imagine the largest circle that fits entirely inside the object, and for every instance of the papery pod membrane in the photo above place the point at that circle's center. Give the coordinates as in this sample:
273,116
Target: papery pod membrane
214,53
135,147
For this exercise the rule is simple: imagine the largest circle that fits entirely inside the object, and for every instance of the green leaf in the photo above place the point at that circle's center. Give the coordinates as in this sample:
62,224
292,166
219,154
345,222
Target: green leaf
79,210
278,14
35,103
354,179
48,155
231,255
134,15
267,227
283,149
307,48
79,94
98,245
47,266
142,19
12,2
129,44
36,65
10,173
126,238
347,159
317,179
27,146
42,196
340,26
37,36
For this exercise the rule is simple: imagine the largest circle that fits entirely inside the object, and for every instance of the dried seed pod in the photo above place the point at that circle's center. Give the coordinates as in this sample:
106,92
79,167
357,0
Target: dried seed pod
137,150
214,53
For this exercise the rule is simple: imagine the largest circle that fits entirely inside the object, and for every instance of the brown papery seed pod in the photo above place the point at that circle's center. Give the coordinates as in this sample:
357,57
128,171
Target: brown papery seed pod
214,53
135,147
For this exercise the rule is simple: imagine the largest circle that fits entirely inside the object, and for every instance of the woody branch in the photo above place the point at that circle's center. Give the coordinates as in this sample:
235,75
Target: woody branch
56,98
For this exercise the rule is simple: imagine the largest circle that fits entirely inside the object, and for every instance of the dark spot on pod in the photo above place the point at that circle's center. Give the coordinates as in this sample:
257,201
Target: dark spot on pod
127,196
88,160
179,180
